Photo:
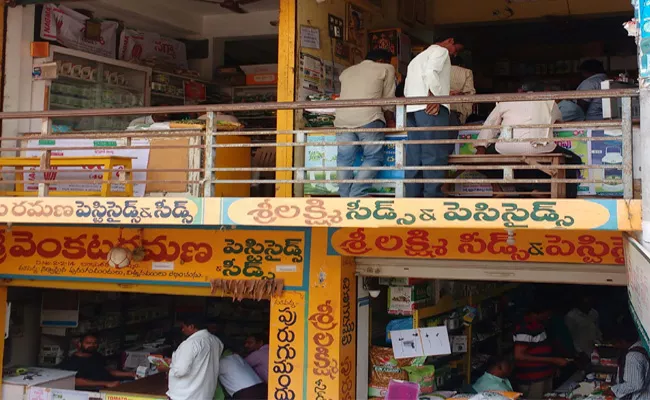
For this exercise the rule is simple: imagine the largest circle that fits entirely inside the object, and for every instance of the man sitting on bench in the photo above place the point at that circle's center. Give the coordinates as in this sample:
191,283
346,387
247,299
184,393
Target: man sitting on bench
527,113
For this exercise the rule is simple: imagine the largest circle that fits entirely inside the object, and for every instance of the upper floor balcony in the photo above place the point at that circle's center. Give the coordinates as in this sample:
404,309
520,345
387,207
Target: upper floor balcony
214,172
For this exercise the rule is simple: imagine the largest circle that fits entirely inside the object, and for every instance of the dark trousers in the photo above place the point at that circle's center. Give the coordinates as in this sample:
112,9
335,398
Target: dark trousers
427,154
257,392
570,159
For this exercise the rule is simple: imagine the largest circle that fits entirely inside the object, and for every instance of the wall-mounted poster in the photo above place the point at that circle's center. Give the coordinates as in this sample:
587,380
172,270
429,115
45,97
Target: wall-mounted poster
355,26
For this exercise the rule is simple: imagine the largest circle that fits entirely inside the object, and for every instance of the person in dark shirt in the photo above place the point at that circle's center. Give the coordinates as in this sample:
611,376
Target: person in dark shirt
92,373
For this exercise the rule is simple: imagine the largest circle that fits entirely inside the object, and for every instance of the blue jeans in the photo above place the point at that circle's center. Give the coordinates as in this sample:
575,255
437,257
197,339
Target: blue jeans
373,156
427,154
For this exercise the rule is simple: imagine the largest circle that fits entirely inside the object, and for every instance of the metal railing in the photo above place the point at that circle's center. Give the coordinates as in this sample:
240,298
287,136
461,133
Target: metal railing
203,145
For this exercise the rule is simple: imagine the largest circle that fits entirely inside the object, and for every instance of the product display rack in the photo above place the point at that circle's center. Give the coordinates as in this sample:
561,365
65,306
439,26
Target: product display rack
86,81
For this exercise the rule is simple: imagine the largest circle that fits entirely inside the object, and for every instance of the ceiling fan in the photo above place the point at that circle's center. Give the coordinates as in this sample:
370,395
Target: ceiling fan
232,5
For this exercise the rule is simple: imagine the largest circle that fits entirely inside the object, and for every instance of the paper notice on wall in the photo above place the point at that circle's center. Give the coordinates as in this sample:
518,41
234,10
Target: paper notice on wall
435,341
151,47
67,27
420,342
311,76
96,148
406,343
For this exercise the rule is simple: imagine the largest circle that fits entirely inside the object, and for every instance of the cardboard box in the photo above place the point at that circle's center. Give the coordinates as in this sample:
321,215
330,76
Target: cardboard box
262,74
403,300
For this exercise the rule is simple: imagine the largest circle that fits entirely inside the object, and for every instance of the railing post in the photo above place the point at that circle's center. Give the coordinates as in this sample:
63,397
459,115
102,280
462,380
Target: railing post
301,137
46,155
506,133
400,155
626,128
210,153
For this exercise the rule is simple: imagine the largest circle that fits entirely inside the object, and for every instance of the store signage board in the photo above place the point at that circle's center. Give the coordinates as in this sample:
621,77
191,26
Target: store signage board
637,259
552,214
559,215
175,256
579,247
411,343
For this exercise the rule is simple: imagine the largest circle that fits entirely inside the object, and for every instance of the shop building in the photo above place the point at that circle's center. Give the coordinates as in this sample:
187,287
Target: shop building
199,206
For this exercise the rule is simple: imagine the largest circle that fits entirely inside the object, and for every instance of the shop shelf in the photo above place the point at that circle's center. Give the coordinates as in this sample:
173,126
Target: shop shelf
169,96
448,304
76,80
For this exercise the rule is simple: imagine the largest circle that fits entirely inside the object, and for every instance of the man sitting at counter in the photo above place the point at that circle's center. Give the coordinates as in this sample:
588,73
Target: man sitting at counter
92,373
258,356
496,376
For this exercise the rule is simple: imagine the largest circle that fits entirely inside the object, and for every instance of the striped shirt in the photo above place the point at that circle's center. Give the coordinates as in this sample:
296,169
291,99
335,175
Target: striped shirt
636,377
532,335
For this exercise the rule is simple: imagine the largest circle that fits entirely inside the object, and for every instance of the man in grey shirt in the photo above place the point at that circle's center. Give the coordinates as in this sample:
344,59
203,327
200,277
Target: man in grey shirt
594,73
373,78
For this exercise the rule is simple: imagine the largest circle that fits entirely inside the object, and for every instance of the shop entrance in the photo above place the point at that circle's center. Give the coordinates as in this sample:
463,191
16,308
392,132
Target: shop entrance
484,321
131,329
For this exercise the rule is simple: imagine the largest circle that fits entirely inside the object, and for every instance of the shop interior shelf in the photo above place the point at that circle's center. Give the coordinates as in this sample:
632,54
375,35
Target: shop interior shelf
448,304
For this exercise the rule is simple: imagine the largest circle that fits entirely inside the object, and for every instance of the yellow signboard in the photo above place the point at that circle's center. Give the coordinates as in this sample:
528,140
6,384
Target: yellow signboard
287,346
170,255
591,247
435,213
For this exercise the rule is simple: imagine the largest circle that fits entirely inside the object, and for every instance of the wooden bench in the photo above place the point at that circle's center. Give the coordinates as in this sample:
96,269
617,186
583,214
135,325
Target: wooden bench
541,161
107,163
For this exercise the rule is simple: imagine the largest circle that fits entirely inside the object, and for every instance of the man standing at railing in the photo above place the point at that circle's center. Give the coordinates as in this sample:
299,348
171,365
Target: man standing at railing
429,74
373,78
527,113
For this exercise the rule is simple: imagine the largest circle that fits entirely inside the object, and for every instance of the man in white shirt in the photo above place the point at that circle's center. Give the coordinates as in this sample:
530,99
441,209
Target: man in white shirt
373,78
194,368
583,324
239,379
429,74
527,113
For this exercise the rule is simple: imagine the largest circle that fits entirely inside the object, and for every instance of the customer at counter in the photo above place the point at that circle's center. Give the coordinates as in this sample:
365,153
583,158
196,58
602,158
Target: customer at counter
633,381
582,322
496,377
594,73
534,361
194,367
527,113
92,373
429,74
258,354
239,379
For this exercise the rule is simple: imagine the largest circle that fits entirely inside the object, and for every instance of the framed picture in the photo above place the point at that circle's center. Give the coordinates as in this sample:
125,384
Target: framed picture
355,26
421,11
406,11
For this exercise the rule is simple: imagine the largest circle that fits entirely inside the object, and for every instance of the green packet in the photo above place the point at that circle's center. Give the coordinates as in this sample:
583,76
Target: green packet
422,375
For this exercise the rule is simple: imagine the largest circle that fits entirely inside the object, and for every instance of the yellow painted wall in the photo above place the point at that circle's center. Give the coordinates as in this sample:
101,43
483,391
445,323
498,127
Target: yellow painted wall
467,11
